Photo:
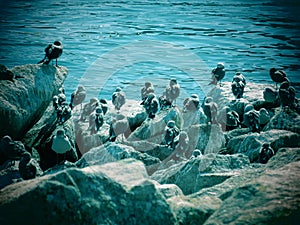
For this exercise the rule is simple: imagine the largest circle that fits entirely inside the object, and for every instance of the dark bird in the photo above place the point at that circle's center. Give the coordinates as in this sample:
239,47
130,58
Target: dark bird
88,108
52,51
217,74
118,99
104,105
63,112
253,119
270,94
147,89
238,85
96,120
210,109
172,91
232,120
6,74
171,132
278,76
196,153
119,126
151,105
192,103
61,145
28,167
265,153
286,95
10,149
78,96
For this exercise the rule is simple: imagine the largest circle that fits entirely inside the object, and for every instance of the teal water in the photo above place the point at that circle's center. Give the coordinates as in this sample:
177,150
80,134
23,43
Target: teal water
123,43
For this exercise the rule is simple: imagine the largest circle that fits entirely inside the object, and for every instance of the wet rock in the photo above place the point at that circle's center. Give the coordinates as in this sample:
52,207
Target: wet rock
249,144
9,173
283,157
112,152
193,210
114,193
272,198
24,101
202,172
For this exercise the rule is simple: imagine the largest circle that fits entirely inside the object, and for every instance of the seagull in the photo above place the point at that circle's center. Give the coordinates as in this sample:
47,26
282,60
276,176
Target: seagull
28,167
96,120
147,89
78,96
265,153
210,109
218,73
171,132
286,95
277,76
238,84
191,103
172,91
119,125
151,105
118,99
52,51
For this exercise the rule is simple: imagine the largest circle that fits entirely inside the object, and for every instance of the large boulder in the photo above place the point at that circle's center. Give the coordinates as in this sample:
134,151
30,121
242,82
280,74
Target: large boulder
114,193
112,152
250,144
202,172
272,198
23,102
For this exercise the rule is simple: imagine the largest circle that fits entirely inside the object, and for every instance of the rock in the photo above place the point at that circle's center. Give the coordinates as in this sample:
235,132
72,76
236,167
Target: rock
24,101
206,138
155,127
112,152
193,118
170,190
285,120
9,174
273,198
283,157
202,172
249,144
114,193
193,210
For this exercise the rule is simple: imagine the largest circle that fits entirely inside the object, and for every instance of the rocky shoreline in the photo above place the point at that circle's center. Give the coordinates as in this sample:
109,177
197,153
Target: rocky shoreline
137,179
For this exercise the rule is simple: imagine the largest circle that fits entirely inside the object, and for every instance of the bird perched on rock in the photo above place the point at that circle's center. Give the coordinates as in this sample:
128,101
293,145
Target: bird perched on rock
210,109
171,132
151,105
253,120
147,89
217,74
192,103
118,99
63,112
28,167
238,85
78,96
104,105
52,51
119,125
10,149
270,94
6,74
88,108
96,120
182,145
172,91
278,76
286,95
232,120
265,153
61,145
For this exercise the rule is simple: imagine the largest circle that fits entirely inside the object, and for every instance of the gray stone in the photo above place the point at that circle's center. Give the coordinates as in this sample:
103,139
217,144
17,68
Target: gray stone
23,102
249,144
114,193
170,190
273,198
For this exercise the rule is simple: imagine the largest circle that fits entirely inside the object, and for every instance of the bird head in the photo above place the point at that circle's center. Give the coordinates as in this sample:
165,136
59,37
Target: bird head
220,65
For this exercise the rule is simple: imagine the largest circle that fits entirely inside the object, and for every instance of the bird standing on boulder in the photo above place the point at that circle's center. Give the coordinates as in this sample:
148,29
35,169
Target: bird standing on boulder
119,125
265,153
171,132
210,110
172,91
238,85
28,167
96,120
151,105
191,103
286,95
278,76
61,145
253,120
118,99
147,89
52,51
78,96
182,145
217,74
88,108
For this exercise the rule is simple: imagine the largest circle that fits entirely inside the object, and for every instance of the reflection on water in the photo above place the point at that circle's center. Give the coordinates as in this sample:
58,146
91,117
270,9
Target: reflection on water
250,37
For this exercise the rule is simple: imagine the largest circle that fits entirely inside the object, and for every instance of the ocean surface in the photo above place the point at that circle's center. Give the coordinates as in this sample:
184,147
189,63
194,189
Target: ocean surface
124,43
